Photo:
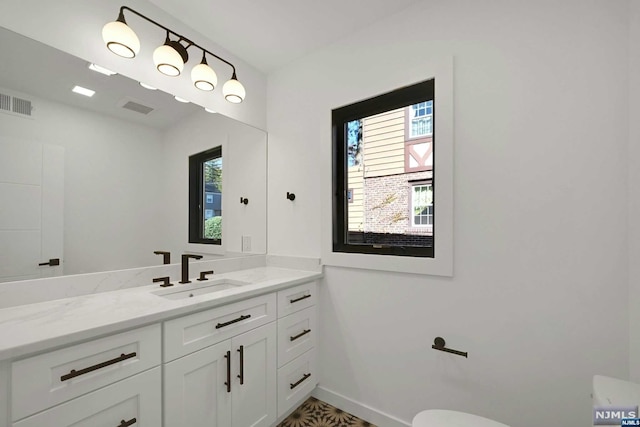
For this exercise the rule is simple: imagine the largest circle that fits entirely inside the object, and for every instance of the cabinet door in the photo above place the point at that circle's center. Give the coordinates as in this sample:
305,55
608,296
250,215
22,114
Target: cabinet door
134,401
195,390
254,390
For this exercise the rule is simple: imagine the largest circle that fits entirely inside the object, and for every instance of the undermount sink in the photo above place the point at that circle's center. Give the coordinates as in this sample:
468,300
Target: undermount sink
195,289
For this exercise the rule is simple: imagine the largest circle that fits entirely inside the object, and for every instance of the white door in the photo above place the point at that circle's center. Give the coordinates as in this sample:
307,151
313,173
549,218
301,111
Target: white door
254,387
196,393
31,209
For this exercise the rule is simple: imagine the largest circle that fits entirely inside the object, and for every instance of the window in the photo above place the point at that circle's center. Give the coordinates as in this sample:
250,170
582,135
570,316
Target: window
421,119
422,205
370,157
205,197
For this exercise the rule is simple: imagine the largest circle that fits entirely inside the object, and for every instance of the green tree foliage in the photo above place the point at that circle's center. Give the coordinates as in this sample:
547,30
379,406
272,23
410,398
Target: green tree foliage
213,228
213,172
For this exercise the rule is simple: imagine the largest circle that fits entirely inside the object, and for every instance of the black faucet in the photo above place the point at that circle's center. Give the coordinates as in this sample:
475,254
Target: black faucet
185,266
166,256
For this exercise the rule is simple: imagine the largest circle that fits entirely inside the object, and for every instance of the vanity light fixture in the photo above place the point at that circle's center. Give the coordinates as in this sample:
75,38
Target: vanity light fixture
171,57
209,110
102,70
83,91
177,98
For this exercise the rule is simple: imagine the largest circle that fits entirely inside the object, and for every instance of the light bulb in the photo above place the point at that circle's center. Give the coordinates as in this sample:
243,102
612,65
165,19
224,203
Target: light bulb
168,61
203,76
233,91
120,39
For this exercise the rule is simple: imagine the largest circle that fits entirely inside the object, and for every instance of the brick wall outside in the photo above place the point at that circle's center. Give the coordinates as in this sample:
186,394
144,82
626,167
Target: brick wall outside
387,204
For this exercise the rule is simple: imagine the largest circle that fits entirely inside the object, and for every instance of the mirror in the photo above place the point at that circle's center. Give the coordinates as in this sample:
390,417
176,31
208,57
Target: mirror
101,183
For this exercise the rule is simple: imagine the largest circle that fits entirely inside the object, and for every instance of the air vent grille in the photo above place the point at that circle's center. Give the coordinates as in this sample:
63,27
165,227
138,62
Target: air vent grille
5,102
21,106
15,106
138,108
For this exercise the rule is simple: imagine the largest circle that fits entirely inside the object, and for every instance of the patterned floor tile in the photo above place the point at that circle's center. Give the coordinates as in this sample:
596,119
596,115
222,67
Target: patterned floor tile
316,413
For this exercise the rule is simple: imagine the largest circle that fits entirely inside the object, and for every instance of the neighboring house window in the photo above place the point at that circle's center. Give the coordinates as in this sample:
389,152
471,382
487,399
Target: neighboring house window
421,120
418,135
422,205
369,143
205,195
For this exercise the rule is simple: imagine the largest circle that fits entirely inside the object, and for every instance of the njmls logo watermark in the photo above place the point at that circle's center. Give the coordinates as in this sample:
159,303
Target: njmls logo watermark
613,415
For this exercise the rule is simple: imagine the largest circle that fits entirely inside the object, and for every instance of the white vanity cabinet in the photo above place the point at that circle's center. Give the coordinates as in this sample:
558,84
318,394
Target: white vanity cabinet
110,380
231,383
297,332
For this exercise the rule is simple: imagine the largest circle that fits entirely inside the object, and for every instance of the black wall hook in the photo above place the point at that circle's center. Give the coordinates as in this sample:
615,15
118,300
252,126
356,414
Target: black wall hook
439,344
244,200
291,196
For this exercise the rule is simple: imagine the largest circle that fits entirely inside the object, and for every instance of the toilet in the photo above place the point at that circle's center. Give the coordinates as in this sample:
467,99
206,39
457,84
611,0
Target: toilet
608,391
444,418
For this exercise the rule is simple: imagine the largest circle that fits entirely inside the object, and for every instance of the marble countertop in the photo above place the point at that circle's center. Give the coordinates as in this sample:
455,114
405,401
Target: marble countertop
42,326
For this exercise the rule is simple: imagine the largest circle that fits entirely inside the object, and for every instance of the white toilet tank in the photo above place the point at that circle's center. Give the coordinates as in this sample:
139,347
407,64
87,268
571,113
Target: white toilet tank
445,418
608,391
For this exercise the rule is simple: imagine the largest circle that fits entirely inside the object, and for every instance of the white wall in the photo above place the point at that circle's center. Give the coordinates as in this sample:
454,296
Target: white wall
111,184
244,153
540,284
75,27
634,196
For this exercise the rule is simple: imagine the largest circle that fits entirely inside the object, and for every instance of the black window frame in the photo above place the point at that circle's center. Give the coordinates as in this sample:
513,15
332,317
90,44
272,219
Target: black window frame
197,194
399,98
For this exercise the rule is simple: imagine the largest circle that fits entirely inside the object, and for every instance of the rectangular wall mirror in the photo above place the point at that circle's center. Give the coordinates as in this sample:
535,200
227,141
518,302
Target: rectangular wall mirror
100,183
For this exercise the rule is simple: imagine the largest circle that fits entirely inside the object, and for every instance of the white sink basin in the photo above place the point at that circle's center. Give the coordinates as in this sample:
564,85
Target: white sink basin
195,289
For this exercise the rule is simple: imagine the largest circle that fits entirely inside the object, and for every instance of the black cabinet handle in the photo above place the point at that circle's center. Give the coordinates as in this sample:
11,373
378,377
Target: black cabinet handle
124,423
300,299
228,382
241,376
297,383
75,373
52,262
231,322
306,331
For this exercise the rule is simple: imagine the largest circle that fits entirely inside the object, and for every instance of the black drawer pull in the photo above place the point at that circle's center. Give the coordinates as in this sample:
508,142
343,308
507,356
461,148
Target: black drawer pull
124,423
231,322
241,376
75,373
301,334
300,299
228,383
297,383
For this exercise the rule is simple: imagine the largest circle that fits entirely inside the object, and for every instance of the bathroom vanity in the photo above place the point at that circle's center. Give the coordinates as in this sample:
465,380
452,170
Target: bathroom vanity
237,350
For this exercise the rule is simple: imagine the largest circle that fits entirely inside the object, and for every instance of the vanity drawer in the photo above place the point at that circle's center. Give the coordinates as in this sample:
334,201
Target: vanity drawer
136,401
296,334
296,298
296,380
193,332
51,378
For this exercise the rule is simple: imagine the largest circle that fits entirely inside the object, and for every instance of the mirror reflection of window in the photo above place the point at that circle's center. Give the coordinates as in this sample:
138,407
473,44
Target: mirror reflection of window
205,197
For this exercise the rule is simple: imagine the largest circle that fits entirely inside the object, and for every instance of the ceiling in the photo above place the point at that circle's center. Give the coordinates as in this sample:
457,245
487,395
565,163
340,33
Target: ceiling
269,34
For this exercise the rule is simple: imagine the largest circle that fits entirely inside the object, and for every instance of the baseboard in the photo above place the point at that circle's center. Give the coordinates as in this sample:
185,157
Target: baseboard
358,409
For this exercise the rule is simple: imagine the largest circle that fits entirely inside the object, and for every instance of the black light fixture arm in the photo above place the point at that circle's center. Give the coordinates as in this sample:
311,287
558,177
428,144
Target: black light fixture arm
180,37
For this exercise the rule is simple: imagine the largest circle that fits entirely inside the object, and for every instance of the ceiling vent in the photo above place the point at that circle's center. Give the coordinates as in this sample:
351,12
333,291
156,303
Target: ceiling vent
137,107
15,106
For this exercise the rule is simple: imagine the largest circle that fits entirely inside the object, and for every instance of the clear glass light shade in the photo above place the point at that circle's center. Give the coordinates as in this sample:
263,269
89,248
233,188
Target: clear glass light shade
203,77
168,61
120,39
233,91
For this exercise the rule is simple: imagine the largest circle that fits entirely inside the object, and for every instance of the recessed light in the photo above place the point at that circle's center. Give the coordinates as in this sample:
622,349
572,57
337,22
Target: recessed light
83,91
101,70
208,110
181,99
146,86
